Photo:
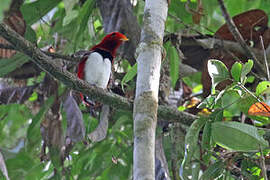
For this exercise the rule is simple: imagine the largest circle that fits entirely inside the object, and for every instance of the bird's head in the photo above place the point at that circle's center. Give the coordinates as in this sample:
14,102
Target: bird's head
111,42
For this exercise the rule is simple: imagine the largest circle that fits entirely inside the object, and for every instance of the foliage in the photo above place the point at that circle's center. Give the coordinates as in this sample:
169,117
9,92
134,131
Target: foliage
214,143
234,137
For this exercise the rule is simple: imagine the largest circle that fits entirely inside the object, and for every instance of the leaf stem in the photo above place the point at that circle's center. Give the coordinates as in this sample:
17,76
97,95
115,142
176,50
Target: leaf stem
248,91
265,59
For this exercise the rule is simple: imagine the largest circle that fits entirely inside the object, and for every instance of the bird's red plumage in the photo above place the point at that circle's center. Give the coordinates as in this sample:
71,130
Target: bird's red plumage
109,43
80,72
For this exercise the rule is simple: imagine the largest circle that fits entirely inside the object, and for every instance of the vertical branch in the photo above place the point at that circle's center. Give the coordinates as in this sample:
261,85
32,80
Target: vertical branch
146,100
262,162
265,59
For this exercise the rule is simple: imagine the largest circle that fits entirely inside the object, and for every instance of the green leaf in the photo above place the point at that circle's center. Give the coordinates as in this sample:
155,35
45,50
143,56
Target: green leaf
70,16
237,136
83,18
30,35
213,171
69,4
4,6
246,69
245,103
195,170
174,64
217,115
129,75
217,71
13,124
33,97
263,88
191,142
18,166
229,101
206,138
34,11
33,133
191,139
9,65
250,79
55,157
236,71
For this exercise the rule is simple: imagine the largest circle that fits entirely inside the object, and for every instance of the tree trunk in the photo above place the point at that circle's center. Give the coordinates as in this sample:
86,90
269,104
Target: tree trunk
146,100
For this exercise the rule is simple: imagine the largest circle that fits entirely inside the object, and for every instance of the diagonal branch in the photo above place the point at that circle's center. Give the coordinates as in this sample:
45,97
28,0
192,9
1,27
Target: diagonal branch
238,37
49,65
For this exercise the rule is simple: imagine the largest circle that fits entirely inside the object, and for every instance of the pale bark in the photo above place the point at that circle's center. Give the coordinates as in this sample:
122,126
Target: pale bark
146,101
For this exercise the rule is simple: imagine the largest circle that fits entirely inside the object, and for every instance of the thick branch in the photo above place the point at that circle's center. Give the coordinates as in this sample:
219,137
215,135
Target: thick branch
49,65
228,45
64,57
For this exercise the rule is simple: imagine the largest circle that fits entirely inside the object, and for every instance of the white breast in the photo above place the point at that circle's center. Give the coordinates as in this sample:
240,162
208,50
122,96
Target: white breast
97,70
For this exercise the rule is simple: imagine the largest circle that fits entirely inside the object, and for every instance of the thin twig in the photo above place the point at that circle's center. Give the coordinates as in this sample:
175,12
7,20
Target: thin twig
186,26
262,161
248,91
238,37
265,59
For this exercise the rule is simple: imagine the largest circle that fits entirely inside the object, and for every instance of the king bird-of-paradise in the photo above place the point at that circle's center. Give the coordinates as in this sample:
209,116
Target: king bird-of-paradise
95,67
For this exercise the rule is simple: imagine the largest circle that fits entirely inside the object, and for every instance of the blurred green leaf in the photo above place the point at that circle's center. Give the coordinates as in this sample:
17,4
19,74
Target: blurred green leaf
30,35
83,18
217,71
4,6
191,141
237,136
216,115
21,165
10,64
129,75
55,157
33,131
70,16
213,171
13,125
69,4
206,137
174,64
33,97
34,11
229,101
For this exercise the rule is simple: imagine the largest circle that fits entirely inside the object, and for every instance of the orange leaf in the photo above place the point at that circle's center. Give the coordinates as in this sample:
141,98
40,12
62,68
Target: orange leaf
259,109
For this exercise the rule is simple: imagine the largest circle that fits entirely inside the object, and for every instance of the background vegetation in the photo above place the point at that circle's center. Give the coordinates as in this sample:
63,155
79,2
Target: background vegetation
222,141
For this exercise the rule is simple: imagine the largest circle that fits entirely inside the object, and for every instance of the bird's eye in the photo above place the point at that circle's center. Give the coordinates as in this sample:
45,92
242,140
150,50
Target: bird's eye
113,34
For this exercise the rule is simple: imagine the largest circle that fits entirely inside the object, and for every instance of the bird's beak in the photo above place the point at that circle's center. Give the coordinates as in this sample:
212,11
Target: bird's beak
124,38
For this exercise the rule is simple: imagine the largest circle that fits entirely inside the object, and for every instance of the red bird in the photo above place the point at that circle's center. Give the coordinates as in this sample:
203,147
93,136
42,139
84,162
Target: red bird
95,67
